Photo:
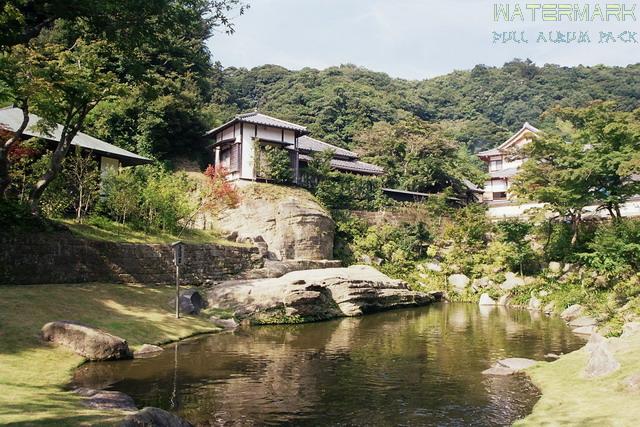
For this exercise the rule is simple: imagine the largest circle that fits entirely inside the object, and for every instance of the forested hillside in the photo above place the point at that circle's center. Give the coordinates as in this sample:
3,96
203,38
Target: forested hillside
485,104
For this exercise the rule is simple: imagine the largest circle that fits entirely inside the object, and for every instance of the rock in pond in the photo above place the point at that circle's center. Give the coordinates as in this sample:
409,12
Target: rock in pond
87,341
584,330
154,417
572,312
583,321
509,366
534,304
148,350
315,295
485,299
504,300
224,323
191,302
106,400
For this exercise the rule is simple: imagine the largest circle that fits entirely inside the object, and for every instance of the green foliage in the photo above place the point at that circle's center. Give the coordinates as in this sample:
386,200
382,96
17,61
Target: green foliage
418,156
15,216
148,198
469,227
273,162
398,247
480,107
364,192
349,228
615,249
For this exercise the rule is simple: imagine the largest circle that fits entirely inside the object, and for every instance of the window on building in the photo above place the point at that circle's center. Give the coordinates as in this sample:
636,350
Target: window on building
496,165
500,195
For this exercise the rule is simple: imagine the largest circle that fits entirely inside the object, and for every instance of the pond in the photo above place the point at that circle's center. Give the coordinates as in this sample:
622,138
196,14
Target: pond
417,366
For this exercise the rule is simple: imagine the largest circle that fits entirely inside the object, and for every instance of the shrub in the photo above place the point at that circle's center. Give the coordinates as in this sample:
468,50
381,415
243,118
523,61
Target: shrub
273,162
615,249
148,198
353,192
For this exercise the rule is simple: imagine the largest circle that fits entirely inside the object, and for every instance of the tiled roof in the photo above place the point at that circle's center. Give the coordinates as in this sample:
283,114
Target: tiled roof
350,165
499,150
504,173
11,118
260,119
307,143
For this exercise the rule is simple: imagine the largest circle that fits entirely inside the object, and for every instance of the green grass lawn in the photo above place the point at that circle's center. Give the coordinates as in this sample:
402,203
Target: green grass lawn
33,374
568,399
110,231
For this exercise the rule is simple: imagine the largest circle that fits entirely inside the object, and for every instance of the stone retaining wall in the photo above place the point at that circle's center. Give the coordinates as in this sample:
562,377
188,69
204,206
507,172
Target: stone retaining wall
64,258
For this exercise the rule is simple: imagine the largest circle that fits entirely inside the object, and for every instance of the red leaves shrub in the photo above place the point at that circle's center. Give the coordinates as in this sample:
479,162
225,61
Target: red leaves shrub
220,192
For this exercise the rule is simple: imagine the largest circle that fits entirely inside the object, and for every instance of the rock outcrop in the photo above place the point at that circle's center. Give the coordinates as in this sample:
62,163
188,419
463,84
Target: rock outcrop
315,295
150,416
293,226
87,341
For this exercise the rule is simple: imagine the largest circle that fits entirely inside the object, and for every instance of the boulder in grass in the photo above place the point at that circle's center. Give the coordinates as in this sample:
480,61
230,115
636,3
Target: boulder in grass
87,341
224,323
150,416
511,281
191,302
601,362
459,282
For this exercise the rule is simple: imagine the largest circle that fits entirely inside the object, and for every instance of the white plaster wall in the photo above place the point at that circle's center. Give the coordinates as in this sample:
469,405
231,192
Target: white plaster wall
247,150
267,132
290,136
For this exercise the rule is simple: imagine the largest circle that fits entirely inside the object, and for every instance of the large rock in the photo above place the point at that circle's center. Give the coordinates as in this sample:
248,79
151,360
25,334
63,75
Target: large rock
458,282
154,417
191,302
292,224
226,324
572,312
315,295
511,281
629,329
87,341
504,300
601,361
555,267
485,299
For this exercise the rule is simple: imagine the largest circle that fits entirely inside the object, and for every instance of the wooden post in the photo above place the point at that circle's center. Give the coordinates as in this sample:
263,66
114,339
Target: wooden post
177,291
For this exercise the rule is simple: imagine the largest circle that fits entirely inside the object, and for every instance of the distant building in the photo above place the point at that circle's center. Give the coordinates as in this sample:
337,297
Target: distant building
236,143
503,166
108,156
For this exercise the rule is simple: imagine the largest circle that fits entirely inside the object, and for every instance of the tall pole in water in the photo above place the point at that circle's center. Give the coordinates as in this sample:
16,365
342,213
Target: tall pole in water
178,259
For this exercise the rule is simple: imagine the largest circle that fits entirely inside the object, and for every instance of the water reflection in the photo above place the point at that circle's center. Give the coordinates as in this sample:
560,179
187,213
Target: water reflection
411,367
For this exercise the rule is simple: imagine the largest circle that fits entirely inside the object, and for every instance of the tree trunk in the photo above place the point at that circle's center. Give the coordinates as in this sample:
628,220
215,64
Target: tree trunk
575,223
5,178
55,165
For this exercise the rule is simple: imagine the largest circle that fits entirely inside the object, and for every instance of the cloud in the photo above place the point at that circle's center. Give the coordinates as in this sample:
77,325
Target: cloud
405,38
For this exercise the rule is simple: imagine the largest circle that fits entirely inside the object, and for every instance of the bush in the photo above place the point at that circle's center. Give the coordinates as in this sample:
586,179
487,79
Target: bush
148,198
615,249
15,216
352,192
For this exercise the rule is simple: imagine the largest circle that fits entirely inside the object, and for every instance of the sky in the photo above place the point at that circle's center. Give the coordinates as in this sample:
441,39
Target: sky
416,39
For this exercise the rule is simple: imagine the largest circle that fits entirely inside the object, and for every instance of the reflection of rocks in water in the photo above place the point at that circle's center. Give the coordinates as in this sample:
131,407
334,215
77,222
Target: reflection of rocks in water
412,366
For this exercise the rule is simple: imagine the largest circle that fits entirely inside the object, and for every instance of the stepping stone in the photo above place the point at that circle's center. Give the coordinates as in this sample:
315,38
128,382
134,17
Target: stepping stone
516,363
